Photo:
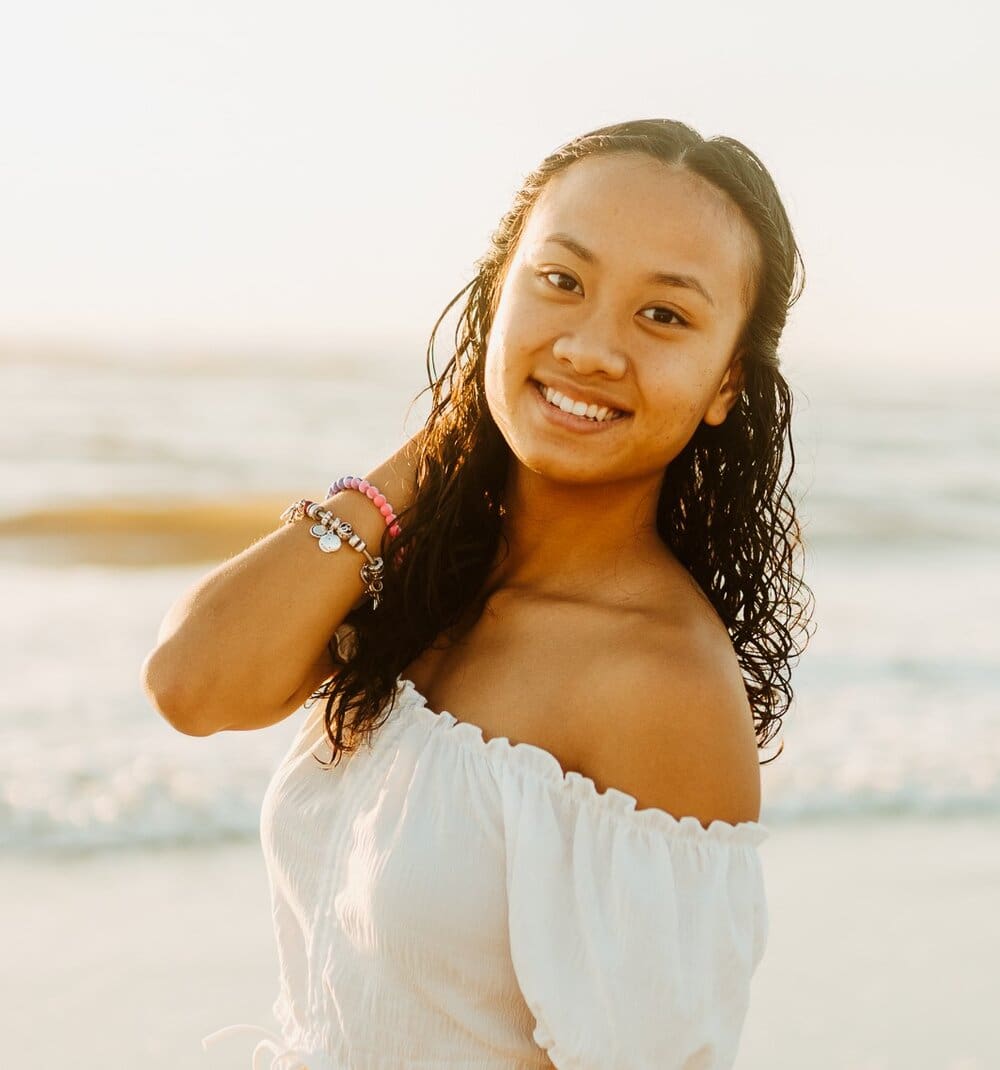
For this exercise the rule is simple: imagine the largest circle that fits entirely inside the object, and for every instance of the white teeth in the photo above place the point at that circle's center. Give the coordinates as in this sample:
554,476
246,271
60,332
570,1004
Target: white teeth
578,408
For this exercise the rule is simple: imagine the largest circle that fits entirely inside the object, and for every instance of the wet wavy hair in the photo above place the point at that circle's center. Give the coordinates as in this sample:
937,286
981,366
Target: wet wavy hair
724,508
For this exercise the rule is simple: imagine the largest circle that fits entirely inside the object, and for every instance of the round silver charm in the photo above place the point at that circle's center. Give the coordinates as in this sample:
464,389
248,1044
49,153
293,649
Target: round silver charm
329,542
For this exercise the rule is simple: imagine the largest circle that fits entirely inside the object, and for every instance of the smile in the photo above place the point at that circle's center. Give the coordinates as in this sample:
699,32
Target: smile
564,412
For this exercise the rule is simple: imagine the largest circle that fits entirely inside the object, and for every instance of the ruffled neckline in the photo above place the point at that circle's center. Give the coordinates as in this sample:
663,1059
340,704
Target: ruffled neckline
576,786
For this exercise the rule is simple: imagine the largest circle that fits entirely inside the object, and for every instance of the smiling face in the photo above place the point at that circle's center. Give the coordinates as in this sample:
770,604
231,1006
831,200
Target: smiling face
629,288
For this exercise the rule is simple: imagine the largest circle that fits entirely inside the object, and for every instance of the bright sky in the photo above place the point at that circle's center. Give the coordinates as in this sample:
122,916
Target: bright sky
230,174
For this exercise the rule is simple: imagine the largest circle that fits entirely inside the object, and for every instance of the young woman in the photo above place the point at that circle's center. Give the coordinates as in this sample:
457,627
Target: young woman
522,829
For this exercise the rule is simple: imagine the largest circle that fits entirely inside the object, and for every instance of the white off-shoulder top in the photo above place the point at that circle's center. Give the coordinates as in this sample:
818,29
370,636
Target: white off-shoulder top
445,901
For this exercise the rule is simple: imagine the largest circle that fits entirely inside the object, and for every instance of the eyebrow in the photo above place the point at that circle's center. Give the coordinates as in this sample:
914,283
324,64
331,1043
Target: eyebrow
664,278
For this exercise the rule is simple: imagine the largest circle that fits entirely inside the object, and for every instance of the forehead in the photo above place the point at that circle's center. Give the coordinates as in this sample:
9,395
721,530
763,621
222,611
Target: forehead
640,215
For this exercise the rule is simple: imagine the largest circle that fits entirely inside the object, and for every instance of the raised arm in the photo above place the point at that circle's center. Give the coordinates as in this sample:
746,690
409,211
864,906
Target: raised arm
247,644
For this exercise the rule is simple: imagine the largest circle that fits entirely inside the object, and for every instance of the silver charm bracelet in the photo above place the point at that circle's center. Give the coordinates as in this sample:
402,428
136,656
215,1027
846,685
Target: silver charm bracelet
332,533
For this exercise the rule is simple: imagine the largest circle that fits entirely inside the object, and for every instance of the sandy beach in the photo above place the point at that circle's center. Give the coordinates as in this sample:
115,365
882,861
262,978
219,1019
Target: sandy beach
882,954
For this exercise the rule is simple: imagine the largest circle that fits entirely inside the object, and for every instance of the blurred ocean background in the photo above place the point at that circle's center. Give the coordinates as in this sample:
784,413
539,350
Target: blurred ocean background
124,481
227,229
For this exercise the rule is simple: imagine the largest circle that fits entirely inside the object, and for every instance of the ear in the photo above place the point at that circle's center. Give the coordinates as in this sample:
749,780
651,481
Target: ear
729,390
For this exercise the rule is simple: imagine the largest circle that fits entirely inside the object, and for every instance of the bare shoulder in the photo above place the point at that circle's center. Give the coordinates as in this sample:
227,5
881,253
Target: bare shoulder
675,728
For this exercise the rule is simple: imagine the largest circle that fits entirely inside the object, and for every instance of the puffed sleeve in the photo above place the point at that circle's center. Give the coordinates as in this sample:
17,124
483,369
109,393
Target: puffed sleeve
633,934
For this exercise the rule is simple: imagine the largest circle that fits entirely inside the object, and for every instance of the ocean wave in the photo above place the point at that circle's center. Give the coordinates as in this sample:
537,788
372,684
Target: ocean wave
141,534
152,516
167,531
147,805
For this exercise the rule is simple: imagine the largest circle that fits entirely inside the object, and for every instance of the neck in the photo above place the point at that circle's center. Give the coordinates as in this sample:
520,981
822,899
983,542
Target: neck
576,541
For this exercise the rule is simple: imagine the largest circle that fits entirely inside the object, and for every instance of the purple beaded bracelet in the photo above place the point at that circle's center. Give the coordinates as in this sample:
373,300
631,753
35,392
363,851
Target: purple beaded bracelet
369,491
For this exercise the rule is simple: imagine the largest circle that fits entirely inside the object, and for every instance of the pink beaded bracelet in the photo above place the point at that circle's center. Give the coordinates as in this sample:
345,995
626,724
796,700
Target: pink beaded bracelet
369,491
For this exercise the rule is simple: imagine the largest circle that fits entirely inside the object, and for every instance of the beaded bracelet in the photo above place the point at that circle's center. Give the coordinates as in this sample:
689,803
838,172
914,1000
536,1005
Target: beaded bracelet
332,532
369,490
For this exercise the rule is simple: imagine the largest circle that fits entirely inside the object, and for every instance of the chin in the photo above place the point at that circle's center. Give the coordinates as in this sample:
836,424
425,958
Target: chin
557,466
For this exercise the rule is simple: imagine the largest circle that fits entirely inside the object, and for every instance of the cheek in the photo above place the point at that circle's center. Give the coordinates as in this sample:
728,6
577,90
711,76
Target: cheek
495,388
502,364
673,407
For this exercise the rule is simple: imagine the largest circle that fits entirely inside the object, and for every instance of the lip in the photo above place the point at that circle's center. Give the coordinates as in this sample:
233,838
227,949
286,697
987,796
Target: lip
580,424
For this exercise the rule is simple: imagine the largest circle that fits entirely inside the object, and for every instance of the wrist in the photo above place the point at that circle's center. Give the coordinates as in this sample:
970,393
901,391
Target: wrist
369,490
396,476
361,514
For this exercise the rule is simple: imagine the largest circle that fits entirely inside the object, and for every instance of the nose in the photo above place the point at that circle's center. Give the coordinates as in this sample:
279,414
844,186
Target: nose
593,347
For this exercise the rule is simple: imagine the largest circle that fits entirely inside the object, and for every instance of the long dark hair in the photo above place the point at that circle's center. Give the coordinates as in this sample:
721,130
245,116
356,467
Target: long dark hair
724,508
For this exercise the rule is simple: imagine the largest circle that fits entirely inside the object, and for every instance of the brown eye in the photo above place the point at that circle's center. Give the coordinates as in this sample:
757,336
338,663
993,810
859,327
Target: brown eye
561,275
670,312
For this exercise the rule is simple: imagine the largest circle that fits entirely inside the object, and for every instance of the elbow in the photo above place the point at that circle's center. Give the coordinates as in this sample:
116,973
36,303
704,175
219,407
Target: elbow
166,697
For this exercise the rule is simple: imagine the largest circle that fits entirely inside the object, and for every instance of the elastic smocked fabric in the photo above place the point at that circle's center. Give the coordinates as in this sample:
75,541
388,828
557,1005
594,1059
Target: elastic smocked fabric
444,900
